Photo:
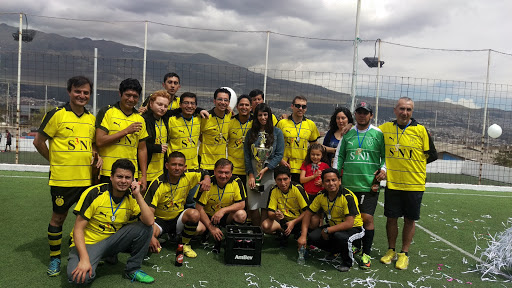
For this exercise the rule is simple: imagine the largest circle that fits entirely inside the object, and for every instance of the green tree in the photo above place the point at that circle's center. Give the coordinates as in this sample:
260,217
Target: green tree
503,158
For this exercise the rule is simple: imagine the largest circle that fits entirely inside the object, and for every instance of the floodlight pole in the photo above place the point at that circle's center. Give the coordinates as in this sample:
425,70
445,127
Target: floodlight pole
18,89
45,97
378,89
95,82
266,67
485,117
144,63
354,64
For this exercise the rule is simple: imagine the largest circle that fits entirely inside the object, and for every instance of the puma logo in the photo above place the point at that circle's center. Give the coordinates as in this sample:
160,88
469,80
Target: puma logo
350,142
71,129
101,213
181,131
117,124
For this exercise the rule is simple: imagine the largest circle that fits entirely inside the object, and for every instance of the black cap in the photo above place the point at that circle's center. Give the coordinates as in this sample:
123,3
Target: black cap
365,105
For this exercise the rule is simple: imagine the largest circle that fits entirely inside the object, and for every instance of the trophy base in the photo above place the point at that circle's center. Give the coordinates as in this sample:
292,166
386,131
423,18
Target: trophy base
259,188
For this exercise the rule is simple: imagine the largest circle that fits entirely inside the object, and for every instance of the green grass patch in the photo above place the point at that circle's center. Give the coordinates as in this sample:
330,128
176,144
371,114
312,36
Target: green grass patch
458,216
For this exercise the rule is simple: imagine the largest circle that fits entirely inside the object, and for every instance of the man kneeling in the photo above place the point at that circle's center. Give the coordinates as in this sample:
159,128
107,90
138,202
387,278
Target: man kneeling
106,224
344,223
224,203
287,201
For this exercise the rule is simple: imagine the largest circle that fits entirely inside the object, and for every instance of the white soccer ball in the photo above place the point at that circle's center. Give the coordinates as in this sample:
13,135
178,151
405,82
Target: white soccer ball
233,99
494,131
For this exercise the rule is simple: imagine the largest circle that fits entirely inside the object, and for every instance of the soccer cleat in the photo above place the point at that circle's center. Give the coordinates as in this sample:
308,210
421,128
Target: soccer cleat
366,261
356,251
390,256
139,276
403,261
53,267
187,250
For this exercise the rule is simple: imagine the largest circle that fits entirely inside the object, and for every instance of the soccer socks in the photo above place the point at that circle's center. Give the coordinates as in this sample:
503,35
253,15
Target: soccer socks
368,241
188,232
55,240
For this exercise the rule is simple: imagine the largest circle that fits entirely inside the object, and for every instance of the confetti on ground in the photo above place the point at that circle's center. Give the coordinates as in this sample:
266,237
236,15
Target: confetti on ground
497,257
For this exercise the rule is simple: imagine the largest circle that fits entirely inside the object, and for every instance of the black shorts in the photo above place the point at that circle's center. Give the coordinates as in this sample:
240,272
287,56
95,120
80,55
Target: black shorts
169,226
367,202
400,203
64,197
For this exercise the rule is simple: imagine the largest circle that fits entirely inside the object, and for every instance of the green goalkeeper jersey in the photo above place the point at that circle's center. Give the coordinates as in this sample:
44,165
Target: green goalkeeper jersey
360,154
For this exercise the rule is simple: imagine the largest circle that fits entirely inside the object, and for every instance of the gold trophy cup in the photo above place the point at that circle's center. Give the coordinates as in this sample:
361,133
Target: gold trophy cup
261,155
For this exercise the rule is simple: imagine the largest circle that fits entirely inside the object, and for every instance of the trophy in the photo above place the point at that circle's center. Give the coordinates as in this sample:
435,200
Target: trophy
261,154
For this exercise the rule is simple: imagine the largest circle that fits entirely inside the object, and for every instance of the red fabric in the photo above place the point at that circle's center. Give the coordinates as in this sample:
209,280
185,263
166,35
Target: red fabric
310,186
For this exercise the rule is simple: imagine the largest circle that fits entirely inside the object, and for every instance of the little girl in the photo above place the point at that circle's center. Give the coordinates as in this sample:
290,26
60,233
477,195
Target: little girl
311,170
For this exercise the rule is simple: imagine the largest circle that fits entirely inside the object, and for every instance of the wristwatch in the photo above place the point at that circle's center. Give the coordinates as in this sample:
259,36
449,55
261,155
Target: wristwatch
326,230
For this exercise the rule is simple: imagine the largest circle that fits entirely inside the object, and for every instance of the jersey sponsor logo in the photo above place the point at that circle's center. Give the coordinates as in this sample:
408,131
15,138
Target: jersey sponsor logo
219,139
402,153
239,143
364,156
127,140
82,145
243,257
292,142
186,143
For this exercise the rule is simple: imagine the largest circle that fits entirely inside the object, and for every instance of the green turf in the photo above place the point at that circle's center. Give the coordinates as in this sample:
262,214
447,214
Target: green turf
32,158
461,179
26,209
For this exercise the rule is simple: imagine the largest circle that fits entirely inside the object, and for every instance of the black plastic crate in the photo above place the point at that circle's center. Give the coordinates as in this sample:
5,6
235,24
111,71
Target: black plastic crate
243,245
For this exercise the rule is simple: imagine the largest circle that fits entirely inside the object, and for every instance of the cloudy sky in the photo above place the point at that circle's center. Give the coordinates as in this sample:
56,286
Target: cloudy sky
454,24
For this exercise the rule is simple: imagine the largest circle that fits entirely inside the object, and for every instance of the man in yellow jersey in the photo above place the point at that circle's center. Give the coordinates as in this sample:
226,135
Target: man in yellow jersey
238,128
166,196
224,203
215,131
344,223
409,148
106,224
286,203
70,131
121,132
298,132
258,97
171,84
185,129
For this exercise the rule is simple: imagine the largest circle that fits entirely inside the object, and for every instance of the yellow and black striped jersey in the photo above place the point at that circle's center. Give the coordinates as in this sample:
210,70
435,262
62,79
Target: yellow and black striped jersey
168,199
335,212
217,198
70,145
214,138
112,119
291,203
156,165
184,137
95,206
296,140
408,149
237,132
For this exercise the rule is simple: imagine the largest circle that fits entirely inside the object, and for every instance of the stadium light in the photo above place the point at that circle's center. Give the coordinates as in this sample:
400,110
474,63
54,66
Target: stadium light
27,35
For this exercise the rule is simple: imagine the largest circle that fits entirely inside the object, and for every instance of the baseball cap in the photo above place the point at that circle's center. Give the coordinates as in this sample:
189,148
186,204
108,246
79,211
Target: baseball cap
365,105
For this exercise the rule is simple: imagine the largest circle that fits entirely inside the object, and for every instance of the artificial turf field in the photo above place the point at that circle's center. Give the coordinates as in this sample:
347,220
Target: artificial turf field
465,218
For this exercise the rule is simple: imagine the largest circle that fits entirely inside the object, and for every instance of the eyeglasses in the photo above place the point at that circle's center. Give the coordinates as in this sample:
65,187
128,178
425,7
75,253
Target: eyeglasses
298,106
188,103
222,100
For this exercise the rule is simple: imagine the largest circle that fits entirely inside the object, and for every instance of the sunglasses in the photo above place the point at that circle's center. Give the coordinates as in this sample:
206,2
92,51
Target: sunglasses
298,106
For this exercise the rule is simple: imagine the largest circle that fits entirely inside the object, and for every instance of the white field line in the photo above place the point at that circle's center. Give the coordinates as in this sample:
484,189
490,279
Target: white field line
463,194
16,176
